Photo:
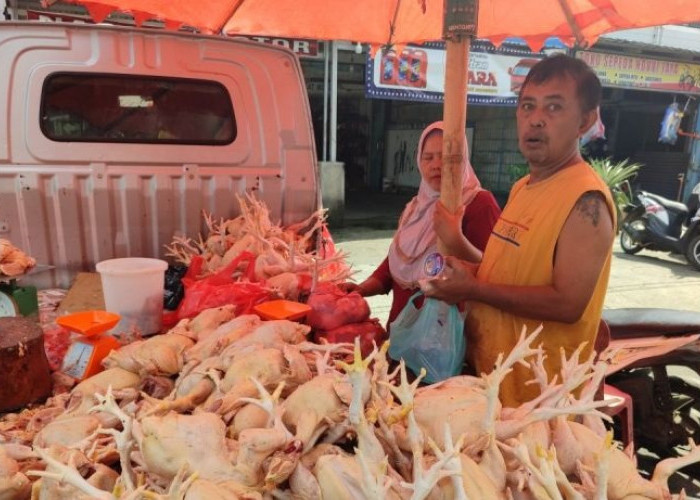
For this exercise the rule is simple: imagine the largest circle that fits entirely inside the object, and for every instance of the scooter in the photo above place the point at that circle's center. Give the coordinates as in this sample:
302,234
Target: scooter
653,222
655,364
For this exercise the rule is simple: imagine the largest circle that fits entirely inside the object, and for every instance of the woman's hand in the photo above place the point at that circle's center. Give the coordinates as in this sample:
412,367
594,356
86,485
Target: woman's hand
369,287
349,287
455,283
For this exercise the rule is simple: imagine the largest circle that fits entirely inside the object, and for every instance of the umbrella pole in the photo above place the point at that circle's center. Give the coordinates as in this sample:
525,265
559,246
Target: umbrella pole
454,119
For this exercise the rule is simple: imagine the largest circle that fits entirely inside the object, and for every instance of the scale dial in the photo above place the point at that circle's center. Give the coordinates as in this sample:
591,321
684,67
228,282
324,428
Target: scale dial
77,359
8,306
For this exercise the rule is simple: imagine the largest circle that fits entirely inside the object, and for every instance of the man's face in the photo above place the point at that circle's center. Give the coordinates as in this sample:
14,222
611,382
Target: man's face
550,122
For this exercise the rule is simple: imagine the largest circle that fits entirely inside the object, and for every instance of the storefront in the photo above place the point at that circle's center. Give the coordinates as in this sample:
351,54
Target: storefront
409,82
637,92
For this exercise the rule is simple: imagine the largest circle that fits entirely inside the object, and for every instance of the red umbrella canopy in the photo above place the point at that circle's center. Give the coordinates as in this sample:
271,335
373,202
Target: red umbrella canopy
403,21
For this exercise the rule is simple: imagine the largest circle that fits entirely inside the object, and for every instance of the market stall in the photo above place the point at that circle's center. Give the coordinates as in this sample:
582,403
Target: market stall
275,382
235,399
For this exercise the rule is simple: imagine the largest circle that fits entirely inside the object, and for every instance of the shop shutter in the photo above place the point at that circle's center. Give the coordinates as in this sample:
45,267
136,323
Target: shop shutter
495,152
660,173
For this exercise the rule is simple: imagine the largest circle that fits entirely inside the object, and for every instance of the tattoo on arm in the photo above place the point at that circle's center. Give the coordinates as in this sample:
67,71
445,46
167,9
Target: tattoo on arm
588,206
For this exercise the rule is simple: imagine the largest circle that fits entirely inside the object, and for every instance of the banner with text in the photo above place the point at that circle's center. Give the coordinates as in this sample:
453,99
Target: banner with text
417,73
615,70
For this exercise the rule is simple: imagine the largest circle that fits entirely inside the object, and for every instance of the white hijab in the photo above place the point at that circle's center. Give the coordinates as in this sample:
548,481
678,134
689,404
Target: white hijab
415,237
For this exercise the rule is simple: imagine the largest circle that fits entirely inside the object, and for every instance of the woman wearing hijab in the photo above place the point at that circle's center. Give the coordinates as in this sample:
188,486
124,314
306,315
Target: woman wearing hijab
425,219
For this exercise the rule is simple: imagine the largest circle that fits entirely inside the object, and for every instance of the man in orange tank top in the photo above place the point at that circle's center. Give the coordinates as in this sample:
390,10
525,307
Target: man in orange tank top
548,258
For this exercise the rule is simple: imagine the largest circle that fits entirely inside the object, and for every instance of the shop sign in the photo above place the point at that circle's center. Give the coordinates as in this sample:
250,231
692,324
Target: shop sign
616,70
417,73
301,47
46,16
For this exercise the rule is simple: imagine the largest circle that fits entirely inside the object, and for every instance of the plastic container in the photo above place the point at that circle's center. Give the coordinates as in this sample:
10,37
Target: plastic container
133,288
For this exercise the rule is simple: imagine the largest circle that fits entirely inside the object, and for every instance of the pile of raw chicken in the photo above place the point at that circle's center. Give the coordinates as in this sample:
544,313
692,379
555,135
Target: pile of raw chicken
225,407
13,261
252,248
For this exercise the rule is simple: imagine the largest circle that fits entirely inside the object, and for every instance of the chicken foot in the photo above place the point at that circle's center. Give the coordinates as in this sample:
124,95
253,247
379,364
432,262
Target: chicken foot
668,466
124,439
69,475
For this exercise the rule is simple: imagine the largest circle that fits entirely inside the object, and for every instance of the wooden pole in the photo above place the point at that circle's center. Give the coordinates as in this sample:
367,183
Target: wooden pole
454,122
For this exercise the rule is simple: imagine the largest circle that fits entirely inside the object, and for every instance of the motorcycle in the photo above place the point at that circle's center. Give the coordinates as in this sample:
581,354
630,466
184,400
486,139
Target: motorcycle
655,361
653,222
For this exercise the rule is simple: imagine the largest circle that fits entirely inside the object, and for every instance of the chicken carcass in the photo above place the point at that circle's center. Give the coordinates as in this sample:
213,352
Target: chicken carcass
208,320
269,366
196,442
216,340
158,355
13,484
13,261
317,404
85,391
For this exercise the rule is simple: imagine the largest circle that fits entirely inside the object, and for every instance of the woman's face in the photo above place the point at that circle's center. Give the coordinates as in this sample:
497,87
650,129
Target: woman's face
430,164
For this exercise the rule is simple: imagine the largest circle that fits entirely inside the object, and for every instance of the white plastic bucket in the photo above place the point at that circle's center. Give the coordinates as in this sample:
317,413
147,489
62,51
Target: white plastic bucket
133,288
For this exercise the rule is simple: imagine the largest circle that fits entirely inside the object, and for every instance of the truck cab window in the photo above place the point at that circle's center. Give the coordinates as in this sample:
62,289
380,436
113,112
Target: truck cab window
89,107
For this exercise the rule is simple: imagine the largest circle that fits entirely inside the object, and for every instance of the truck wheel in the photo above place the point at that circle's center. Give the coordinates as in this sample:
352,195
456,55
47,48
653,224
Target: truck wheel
627,242
692,253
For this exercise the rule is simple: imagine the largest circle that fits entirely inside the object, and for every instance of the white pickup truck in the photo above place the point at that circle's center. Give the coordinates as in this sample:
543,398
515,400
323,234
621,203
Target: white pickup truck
113,140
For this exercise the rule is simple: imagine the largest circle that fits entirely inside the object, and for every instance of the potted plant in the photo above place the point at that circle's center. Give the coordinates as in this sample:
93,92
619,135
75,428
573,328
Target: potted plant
617,175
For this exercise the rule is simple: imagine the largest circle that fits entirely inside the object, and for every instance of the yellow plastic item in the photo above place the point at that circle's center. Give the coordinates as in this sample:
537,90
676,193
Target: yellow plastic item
282,309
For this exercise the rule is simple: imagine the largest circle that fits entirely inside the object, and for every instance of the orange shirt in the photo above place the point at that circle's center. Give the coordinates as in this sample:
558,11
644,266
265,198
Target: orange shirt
520,251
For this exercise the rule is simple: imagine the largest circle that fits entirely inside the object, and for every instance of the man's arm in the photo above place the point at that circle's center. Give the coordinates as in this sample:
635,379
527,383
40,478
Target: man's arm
582,248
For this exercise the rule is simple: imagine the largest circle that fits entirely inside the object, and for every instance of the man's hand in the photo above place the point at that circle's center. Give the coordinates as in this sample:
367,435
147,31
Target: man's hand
448,225
454,284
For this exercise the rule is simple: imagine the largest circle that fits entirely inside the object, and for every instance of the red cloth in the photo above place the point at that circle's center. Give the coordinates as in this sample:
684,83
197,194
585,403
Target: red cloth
479,218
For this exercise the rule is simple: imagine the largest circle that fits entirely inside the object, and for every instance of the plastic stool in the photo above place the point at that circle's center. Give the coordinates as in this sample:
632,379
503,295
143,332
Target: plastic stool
620,406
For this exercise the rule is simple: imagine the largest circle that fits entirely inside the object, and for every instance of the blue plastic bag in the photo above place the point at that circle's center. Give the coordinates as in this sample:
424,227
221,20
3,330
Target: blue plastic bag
670,124
431,337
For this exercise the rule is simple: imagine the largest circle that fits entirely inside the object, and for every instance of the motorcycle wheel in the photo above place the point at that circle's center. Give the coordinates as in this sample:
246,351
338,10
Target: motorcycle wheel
686,406
686,413
627,242
685,424
692,253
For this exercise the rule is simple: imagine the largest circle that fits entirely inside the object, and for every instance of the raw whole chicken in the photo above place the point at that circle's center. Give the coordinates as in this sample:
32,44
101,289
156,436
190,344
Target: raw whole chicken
258,412
13,261
14,485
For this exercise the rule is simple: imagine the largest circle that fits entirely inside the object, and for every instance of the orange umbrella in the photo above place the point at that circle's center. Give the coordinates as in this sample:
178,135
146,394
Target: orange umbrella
381,22
403,21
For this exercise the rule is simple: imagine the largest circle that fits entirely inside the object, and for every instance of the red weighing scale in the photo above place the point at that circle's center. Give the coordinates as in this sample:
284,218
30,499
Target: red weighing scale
85,355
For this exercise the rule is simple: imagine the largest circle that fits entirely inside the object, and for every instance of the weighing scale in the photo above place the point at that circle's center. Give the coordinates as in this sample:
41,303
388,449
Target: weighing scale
85,354
18,300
